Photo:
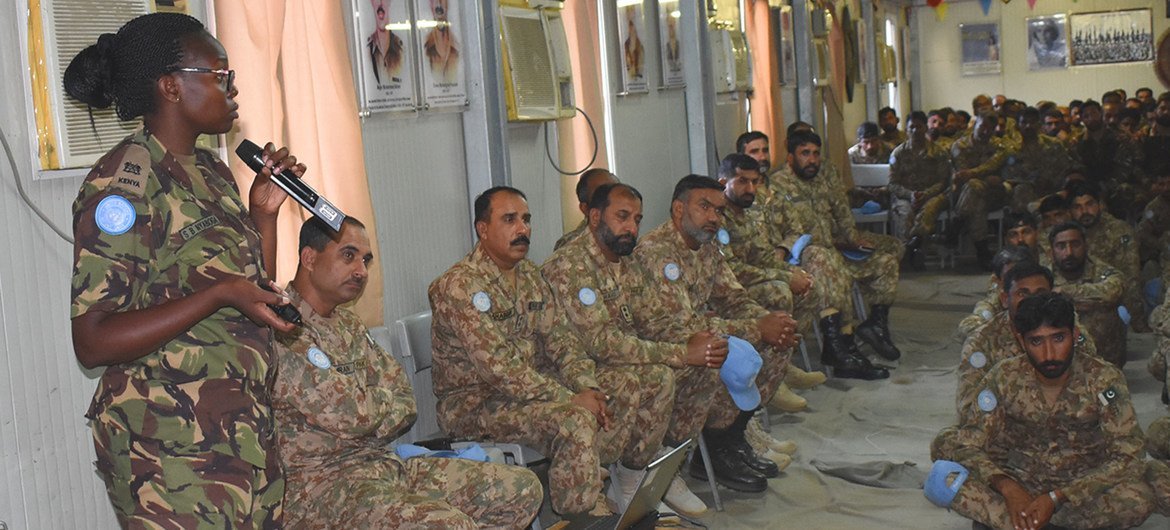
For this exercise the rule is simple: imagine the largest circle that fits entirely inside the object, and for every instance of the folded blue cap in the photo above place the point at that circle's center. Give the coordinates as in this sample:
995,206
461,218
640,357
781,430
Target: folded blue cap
870,207
1123,312
857,255
739,373
936,488
798,247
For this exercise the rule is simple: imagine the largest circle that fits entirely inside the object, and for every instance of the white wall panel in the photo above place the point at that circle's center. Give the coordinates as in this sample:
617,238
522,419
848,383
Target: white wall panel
532,174
45,448
942,84
418,186
651,148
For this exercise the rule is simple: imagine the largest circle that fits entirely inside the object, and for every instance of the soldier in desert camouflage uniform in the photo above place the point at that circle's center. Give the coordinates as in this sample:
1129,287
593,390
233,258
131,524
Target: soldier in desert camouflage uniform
166,264
891,135
1112,161
509,367
1094,287
919,172
1021,240
340,399
1053,435
1113,243
869,148
804,202
700,293
1152,230
976,185
606,292
1038,166
589,181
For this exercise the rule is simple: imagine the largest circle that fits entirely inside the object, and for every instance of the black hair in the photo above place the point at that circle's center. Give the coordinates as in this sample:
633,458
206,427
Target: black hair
1110,96
868,129
121,68
1075,104
1026,268
583,182
916,115
316,233
1133,114
1090,103
1054,113
799,138
1052,203
797,126
693,182
483,203
1052,309
989,116
1015,219
601,196
886,110
1144,89
1065,227
1029,112
747,138
963,114
736,161
1165,96
1080,188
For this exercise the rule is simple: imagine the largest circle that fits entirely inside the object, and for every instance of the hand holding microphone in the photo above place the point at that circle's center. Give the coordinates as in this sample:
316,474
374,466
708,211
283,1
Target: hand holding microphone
287,180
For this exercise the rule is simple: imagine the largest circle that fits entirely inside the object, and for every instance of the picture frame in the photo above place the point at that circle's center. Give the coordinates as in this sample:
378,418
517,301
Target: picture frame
980,49
631,47
384,35
1047,42
1110,37
670,47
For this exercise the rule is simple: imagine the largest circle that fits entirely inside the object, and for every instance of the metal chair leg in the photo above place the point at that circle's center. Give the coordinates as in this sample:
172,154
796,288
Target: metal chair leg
710,473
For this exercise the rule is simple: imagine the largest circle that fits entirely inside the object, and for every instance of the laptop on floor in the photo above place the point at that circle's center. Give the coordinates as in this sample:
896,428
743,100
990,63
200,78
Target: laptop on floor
643,509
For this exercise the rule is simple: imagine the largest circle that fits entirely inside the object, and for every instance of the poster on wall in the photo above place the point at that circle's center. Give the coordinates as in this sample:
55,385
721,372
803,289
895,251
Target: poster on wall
440,53
633,51
1113,37
385,55
980,49
673,75
787,49
1047,42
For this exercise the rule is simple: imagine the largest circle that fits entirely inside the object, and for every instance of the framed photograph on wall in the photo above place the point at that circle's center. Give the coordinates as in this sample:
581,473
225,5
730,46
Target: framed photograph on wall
1047,42
1111,37
785,48
385,55
822,61
673,75
630,28
979,51
440,50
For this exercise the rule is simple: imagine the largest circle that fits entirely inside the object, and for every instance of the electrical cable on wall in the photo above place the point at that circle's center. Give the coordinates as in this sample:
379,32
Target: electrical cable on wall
596,147
23,195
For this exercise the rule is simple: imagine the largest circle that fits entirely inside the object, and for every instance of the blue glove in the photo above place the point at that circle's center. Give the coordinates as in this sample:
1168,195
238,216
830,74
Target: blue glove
936,489
798,247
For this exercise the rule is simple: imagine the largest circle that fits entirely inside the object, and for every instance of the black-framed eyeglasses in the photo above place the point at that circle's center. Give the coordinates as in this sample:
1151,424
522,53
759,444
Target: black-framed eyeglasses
226,77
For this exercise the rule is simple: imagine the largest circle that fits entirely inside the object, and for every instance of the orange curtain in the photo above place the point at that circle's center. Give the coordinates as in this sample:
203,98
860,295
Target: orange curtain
296,89
576,142
834,98
767,111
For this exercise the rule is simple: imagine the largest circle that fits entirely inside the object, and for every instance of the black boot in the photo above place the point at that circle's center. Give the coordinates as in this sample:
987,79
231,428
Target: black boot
729,468
841,353
914,256
954,228
983,254
734,437
875,331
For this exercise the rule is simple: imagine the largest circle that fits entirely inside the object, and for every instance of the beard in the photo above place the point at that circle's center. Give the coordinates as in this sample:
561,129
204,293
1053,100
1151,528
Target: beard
745,200
1163,120
1071,264
698,233
808,171
1052,369
622,245
1088,220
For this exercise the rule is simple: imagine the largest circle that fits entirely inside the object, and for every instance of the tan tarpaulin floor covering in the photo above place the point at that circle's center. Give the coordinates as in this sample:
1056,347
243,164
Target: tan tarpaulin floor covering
891,420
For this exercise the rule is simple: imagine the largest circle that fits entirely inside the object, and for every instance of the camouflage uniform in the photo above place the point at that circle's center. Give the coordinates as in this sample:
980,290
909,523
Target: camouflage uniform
581,228
894,139
1113,243
1156,151
1088,445
1096,294
1151,231
698,292
857,156
506,365
976,197
925,170
1036,170
817,207
1115,162
991,343
601,301
169,457
337,413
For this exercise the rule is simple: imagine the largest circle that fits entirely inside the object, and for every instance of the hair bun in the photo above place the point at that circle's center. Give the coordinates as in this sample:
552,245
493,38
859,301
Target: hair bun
90,74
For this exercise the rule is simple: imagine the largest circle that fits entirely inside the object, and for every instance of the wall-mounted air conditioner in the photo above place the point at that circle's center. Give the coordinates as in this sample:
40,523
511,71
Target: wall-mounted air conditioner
538,79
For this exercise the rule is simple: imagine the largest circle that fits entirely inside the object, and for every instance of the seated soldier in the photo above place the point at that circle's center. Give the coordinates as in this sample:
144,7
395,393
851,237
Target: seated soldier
995,341
1113,243
976,185
869,148
1053,437
1051,211
339,399
508,367
919,171
1038,166
1094,287
605,290
891,135
1152,229
755,144
696,291
986,309
589,181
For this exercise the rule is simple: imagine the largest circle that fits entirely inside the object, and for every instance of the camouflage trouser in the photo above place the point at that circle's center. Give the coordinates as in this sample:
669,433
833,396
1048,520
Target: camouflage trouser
1108,331
1022,194
1158,439
723,410
152,486
640,407
419,493
944,444
1158,477
1135,302
774,295
926,222
565,433
694,391
976,199
877,276
1125,505
777,296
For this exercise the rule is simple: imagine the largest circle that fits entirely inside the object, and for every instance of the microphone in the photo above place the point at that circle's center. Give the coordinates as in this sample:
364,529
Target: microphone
296,188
